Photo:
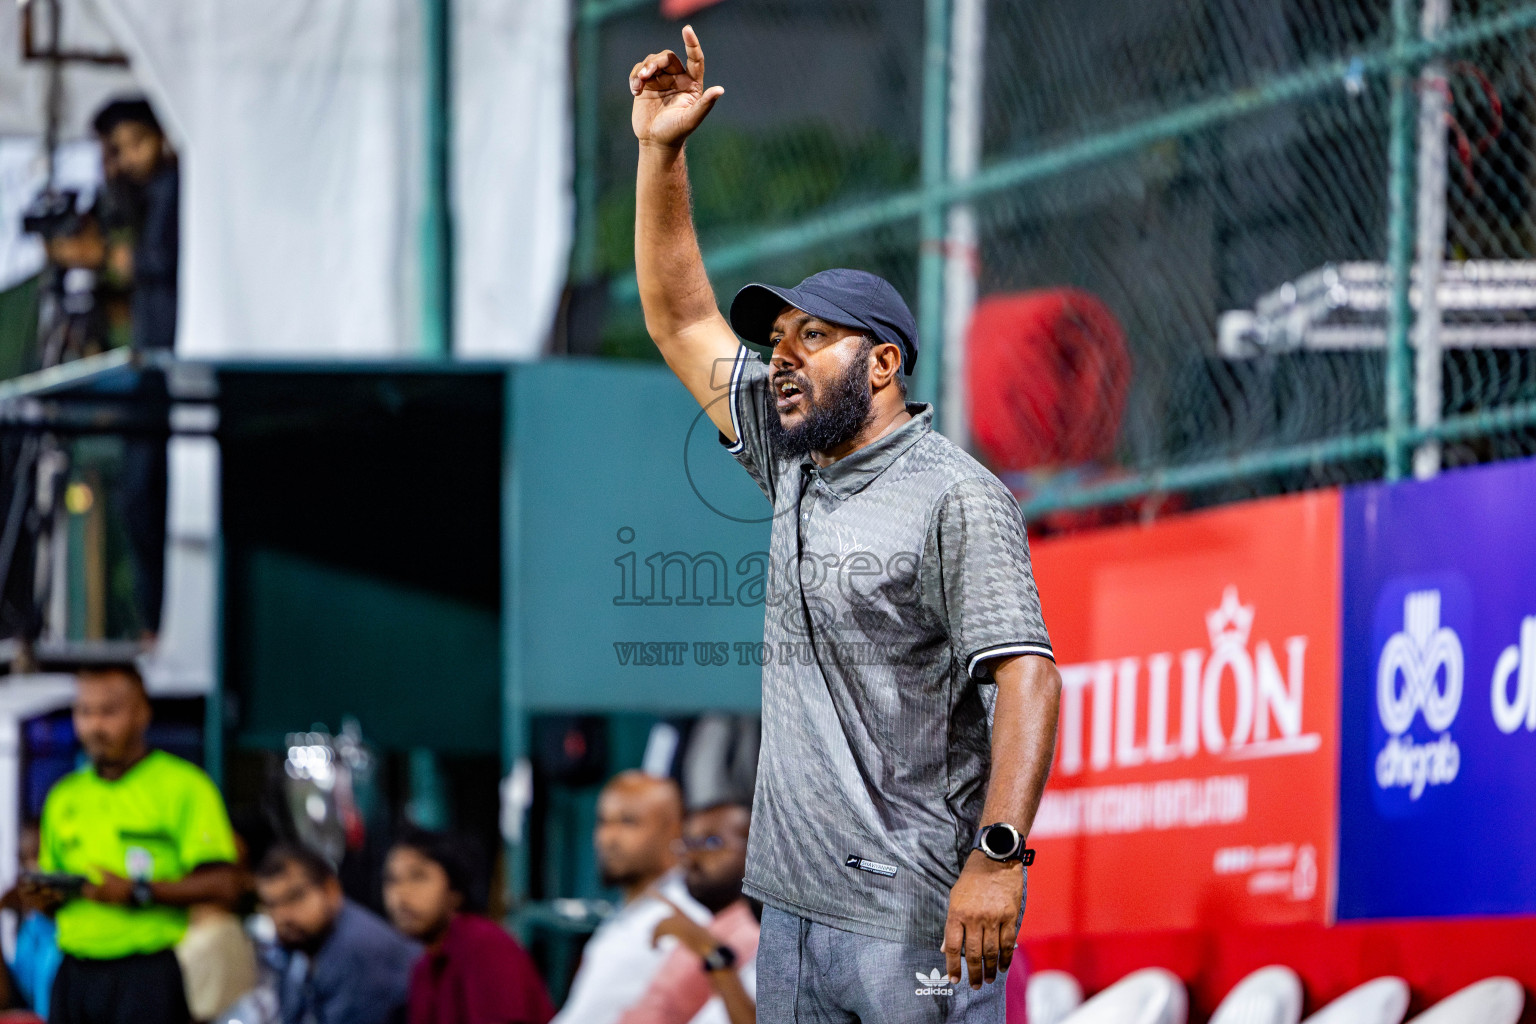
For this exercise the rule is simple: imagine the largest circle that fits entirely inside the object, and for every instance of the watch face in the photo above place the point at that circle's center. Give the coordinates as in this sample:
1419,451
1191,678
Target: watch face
999,841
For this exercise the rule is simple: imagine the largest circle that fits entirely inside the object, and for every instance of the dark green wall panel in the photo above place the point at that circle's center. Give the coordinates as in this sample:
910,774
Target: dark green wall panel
416,668
612,464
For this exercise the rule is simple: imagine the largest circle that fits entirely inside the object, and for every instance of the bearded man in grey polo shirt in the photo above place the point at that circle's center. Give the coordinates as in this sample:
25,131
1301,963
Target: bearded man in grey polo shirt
909,697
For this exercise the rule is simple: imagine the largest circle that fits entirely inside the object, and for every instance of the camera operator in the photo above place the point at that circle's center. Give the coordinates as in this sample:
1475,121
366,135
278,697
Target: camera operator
99,239
141,157
111,283
131,240
137,153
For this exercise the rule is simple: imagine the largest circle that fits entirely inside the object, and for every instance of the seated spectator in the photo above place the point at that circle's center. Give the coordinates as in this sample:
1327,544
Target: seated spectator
335,962
37,937
639,818
707,960
473,971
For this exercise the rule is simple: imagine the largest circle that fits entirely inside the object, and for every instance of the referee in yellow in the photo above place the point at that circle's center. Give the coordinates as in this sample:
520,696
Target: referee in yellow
149,835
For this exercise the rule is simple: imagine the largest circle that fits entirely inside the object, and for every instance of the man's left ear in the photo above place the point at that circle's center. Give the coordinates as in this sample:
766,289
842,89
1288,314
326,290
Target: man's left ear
887,362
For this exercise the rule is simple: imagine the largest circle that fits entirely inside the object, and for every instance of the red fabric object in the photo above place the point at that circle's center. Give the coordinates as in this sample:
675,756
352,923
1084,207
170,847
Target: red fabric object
683,8
1435,957
1047,374
480,975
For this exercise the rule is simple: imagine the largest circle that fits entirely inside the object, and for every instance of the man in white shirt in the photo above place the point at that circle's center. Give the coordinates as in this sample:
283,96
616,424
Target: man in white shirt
639,824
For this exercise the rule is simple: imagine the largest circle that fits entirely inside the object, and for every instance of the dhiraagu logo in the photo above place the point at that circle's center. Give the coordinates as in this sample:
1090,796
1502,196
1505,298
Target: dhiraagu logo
1419,684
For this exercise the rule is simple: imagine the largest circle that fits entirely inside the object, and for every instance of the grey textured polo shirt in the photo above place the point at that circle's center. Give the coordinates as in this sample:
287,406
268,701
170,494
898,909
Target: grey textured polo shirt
897,576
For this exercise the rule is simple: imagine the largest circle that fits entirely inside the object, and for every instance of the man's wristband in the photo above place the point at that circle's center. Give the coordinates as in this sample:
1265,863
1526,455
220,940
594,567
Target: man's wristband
143,894
721,958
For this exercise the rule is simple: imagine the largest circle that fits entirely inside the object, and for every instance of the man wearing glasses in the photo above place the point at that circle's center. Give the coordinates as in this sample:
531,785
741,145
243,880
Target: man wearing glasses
713,854
335,962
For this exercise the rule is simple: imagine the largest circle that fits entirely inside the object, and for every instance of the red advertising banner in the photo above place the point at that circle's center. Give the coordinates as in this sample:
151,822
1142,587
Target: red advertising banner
1195,781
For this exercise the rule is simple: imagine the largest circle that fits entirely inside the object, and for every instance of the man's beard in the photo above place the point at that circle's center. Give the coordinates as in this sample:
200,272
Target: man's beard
618,879
309,943
827,423
714,894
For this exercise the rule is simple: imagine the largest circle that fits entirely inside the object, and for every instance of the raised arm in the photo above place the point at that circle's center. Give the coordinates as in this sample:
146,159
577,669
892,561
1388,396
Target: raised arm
670,101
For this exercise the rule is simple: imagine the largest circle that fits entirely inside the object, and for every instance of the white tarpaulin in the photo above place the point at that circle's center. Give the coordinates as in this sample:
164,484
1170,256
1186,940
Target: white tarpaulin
85,86
301,126
300,130
512,180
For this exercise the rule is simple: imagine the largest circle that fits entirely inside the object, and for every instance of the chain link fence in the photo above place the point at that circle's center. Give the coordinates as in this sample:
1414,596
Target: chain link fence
1310,222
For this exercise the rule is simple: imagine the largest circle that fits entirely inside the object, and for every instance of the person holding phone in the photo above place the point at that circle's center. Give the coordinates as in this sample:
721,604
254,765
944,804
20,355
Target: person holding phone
35,959
147,836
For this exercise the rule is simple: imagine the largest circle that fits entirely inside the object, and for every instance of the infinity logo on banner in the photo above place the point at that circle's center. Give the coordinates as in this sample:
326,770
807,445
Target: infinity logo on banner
1417,655
1420,672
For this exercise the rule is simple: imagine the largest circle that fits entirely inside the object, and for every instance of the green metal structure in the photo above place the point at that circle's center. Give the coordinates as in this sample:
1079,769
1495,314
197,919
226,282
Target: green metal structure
437,199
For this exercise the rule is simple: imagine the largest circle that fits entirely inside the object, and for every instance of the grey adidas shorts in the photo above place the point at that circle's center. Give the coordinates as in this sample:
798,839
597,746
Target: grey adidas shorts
809,973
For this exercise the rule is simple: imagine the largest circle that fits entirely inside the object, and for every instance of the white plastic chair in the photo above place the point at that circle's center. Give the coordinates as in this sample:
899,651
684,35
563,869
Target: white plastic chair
1270,995
1148,996
1051,996
1381,1001
1490,1001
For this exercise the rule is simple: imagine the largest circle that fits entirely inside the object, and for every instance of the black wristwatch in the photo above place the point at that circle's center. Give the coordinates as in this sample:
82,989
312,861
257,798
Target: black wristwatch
720,958
1002,842
143,894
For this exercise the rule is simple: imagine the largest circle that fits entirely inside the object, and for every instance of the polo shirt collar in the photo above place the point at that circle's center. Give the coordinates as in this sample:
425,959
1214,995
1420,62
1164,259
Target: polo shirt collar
852,473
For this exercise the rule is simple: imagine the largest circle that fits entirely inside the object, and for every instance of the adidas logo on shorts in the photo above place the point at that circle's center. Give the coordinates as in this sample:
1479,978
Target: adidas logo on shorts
934,984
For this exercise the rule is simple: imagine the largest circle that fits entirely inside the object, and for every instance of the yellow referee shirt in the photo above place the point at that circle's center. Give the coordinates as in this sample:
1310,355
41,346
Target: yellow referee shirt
163,818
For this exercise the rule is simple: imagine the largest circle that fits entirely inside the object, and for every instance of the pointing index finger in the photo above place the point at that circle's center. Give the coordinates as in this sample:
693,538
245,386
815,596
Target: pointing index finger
695,54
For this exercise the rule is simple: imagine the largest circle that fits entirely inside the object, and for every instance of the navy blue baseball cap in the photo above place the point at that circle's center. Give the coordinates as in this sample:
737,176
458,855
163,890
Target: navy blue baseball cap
848,298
